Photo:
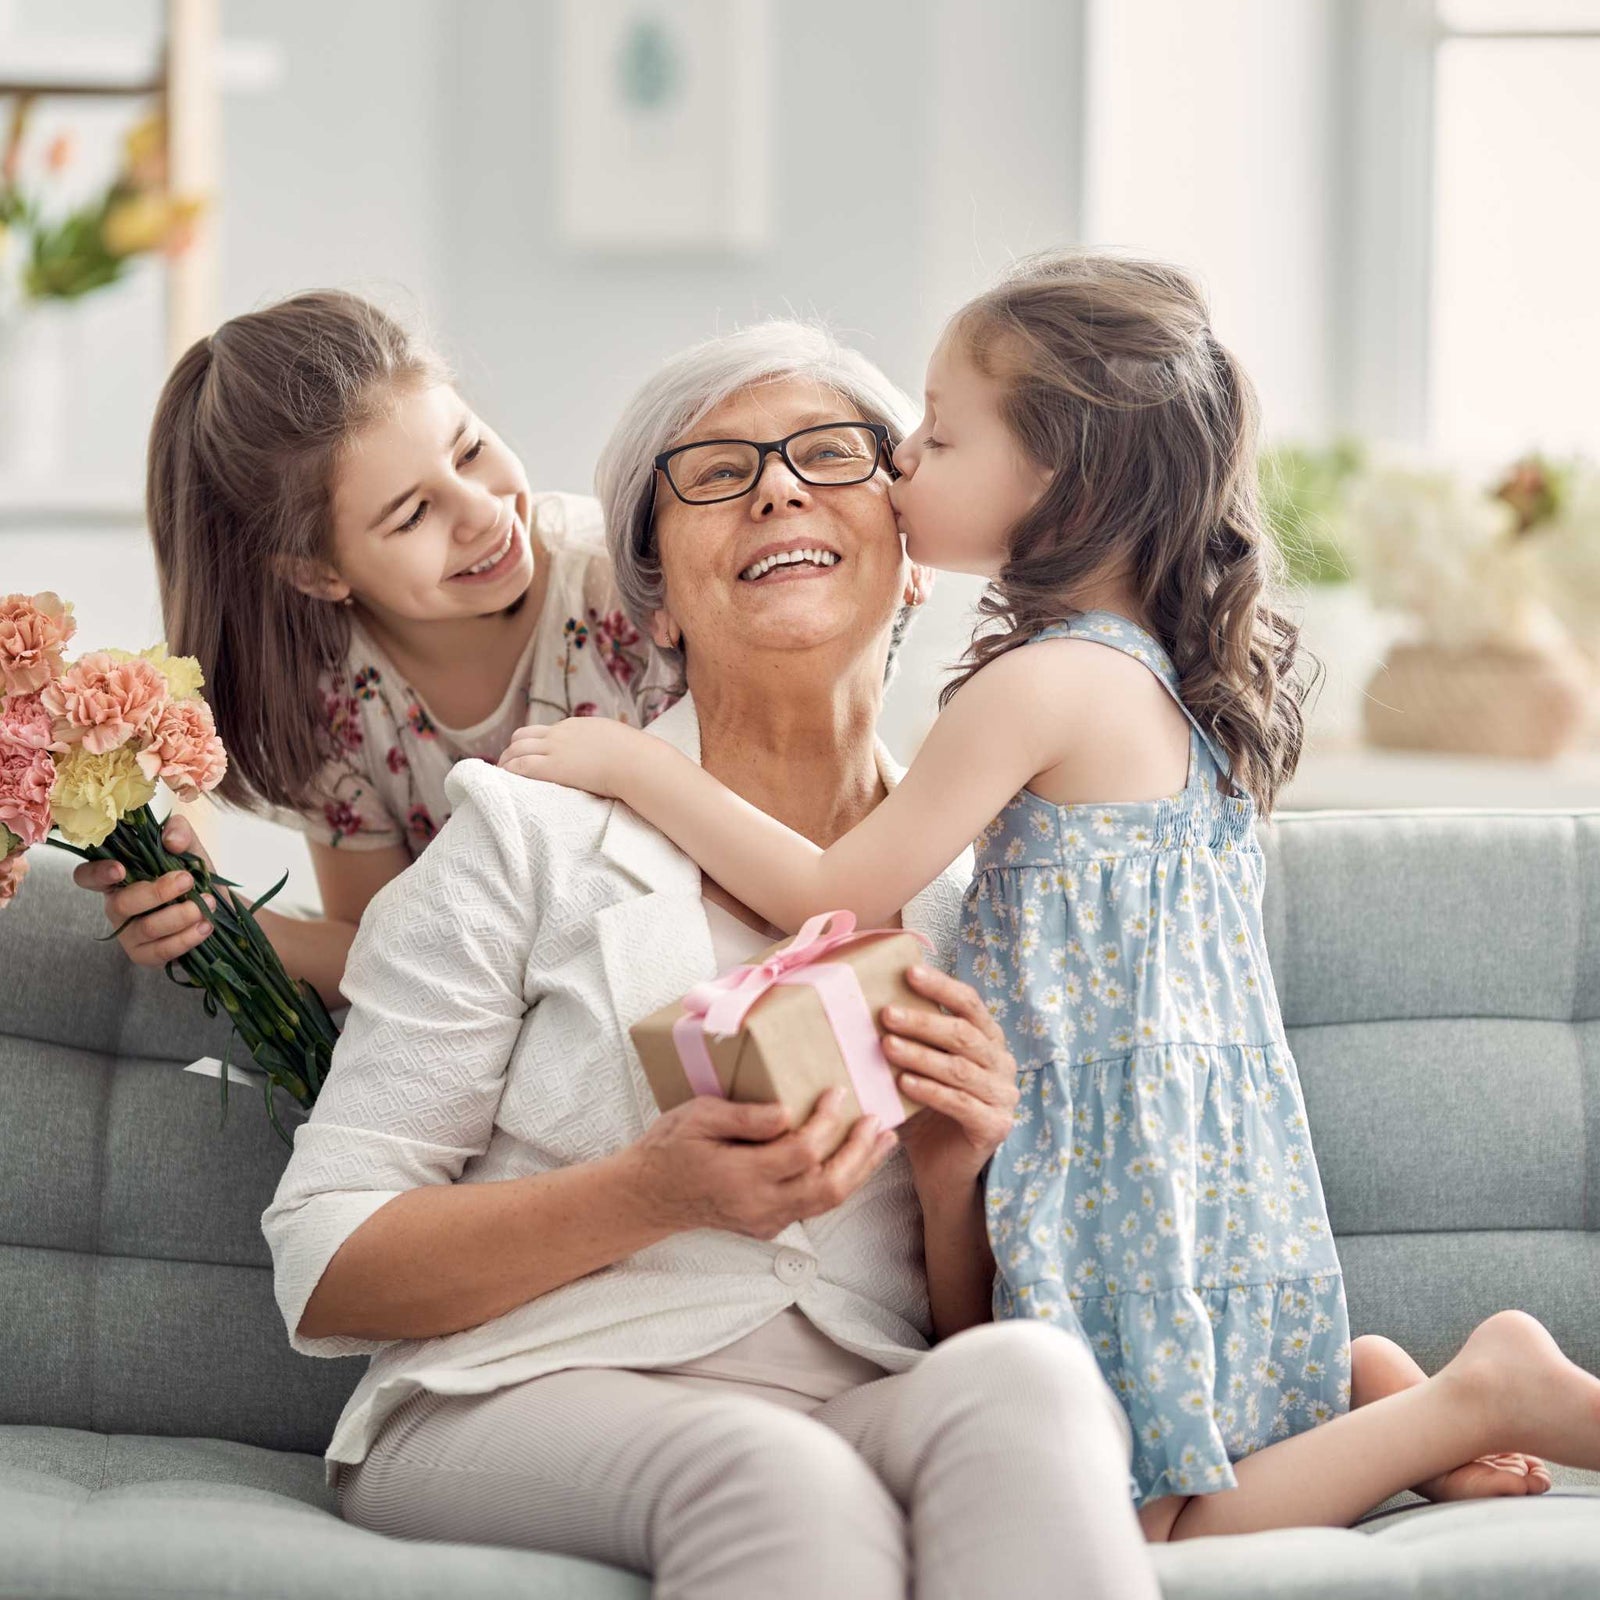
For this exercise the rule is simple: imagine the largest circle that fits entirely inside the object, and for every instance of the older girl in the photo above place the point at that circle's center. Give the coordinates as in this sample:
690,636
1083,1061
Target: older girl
373,592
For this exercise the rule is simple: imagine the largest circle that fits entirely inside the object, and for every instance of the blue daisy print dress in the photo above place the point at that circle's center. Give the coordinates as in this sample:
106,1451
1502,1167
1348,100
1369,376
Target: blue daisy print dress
1158,1196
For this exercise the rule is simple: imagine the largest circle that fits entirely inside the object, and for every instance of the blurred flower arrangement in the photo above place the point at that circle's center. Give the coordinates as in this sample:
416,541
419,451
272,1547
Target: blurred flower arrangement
1512,561
1499,582
83,746
63,257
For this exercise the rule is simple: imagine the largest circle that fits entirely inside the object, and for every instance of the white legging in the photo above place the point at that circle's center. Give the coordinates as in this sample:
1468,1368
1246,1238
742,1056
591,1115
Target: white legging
996,1466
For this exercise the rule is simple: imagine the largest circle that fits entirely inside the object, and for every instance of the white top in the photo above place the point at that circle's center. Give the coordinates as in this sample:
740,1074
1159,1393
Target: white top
733,943
491,988
385,785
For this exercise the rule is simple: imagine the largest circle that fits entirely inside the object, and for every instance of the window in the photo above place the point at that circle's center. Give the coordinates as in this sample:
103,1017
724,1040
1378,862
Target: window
1514,316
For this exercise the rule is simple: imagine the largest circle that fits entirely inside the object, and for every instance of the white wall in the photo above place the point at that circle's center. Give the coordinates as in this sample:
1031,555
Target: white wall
1211,143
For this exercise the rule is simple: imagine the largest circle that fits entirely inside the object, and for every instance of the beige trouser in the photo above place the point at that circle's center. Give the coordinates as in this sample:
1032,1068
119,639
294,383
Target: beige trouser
996,1466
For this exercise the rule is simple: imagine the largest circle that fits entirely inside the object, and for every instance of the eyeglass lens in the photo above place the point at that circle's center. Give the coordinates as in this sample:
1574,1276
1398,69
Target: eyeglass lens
842,453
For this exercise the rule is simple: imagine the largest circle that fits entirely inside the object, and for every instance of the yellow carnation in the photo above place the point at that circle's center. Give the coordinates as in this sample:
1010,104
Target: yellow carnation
183,674
93,793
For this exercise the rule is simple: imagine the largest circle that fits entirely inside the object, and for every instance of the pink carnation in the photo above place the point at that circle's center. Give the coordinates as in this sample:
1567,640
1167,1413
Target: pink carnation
26,778
184,751
12,871
24,722
102,703
33,628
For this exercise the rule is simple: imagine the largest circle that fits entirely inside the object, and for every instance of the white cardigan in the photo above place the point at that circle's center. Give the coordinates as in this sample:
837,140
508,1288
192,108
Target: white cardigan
491,989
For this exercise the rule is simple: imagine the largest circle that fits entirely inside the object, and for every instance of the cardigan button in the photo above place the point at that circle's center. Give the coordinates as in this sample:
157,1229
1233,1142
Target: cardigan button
793,1267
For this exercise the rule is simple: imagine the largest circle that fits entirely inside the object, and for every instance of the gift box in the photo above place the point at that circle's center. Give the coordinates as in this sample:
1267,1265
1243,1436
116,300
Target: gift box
799,1021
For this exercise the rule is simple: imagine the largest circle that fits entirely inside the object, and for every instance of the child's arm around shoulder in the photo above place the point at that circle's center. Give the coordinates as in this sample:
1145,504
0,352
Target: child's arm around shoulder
1008,722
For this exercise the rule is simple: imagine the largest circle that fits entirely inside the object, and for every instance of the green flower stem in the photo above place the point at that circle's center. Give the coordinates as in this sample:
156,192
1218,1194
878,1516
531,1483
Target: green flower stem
282,1023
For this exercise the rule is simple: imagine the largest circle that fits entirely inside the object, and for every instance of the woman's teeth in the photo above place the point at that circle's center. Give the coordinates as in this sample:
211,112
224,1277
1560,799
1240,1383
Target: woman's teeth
788,558
489,560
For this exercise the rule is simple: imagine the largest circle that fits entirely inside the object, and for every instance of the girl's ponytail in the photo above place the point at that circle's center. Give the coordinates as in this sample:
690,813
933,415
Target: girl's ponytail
239,492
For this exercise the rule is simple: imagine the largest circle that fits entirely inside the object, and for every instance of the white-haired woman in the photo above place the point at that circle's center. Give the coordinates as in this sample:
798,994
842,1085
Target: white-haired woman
697,1344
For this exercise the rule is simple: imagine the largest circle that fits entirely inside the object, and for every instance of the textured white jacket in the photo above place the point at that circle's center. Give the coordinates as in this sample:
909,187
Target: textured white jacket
491,989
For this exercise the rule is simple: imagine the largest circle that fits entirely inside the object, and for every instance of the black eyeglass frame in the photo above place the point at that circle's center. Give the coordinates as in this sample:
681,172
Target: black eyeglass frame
763,449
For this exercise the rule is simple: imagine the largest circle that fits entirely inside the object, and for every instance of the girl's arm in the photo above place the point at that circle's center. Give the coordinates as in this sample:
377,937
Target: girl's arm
158,924
316,948
1008,723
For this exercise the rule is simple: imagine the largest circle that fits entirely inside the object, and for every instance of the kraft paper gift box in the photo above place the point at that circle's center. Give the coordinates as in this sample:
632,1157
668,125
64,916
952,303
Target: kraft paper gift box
791,1026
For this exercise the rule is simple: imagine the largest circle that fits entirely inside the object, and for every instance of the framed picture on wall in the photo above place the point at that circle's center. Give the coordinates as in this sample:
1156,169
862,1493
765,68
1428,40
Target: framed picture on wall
663,125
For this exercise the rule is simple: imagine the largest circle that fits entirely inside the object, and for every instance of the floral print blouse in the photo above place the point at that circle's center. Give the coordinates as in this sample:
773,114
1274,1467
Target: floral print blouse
385,783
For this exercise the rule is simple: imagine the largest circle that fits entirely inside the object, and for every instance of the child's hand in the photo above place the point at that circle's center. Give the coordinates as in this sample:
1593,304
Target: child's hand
592,753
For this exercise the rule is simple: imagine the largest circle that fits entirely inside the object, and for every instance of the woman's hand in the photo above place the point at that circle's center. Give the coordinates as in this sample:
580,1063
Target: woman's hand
722,1164
593,753
955,1064
165,925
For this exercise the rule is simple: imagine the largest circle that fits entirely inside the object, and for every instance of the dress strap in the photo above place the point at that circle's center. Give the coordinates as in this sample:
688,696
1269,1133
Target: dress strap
1116,632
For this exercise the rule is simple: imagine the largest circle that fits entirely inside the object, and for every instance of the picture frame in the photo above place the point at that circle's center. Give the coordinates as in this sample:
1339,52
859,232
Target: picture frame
663,126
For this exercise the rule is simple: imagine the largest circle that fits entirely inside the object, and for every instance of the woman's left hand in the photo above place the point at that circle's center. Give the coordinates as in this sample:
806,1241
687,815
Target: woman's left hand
590,753
957,1066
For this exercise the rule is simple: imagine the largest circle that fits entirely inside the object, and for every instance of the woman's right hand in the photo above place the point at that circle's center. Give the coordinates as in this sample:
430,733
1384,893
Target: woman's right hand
166,926
722,1164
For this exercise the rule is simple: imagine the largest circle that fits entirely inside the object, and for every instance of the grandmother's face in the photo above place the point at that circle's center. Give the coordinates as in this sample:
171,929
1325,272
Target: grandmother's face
724,597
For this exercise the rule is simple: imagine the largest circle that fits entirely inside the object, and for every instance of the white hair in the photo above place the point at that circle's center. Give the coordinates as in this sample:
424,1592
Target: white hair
688,387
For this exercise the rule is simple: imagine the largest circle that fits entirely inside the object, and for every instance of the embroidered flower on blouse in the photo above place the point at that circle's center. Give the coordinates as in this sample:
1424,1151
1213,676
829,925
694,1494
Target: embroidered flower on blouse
615,642
343,714
577,633
396,759
418,720
586,708
343,818
420,821
366,683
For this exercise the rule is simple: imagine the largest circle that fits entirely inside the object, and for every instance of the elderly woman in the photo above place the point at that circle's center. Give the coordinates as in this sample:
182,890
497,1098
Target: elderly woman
693,1344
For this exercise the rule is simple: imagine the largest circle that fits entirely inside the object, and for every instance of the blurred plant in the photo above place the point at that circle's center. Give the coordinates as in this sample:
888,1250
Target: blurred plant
1303,493
65,257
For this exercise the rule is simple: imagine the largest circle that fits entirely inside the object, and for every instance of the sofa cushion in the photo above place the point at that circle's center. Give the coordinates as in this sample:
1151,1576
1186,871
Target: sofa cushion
127,1518
86,1516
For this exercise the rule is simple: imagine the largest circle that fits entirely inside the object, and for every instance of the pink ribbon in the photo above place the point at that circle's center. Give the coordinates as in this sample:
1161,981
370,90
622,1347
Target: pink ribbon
719,1008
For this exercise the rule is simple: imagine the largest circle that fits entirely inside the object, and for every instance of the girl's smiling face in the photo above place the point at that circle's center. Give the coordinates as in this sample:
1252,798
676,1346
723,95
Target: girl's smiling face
430,514
964,481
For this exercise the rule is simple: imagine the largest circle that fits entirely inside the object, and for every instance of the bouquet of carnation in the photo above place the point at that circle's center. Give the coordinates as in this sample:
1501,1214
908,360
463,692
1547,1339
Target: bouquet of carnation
83,746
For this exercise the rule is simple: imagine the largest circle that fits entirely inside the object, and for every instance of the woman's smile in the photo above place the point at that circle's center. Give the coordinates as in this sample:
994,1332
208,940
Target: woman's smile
783,563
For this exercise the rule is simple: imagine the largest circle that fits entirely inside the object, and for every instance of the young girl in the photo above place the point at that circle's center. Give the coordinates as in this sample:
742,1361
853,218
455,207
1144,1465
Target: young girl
1089,445
373,593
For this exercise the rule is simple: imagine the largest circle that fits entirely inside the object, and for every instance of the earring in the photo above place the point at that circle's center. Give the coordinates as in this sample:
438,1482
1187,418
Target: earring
349,600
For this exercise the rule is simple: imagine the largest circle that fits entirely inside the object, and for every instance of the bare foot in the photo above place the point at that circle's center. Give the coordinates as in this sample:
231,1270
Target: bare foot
1530,1397
1487,1477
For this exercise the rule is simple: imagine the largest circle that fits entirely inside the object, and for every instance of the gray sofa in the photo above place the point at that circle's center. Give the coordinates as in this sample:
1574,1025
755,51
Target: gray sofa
1441,978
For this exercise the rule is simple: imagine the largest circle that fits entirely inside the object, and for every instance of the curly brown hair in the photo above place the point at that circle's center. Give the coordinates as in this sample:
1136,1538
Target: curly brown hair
1113,381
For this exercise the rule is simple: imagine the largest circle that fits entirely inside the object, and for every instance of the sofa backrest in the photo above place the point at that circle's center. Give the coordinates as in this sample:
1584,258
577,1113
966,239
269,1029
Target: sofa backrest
1440,979
135,1284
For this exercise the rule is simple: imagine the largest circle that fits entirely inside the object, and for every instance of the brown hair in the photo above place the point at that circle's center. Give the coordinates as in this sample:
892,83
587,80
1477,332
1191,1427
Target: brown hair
243,449
1113,380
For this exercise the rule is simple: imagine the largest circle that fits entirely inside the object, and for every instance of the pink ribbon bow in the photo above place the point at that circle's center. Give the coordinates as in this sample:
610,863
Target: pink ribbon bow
719,1008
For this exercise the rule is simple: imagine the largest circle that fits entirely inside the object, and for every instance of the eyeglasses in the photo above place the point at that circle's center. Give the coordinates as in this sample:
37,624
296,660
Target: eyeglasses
832,454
